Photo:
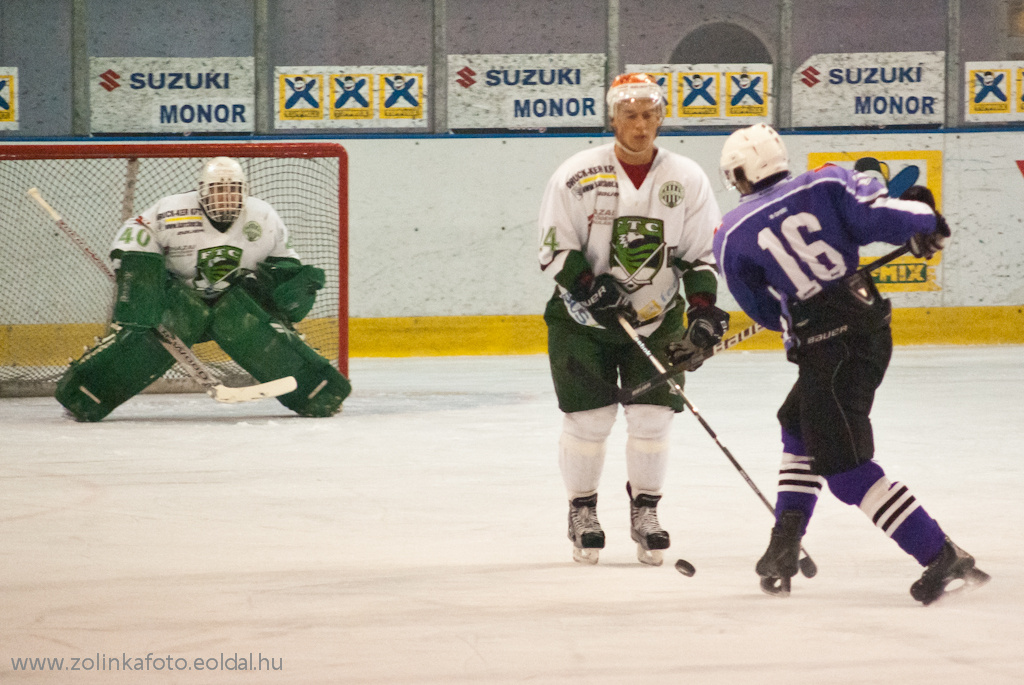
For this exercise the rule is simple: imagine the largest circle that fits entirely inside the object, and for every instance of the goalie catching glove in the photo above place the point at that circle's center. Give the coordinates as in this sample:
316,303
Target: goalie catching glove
925,245
707,325
285,287
601,296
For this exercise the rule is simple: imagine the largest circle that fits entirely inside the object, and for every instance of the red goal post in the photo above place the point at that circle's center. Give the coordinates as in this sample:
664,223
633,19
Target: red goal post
54,301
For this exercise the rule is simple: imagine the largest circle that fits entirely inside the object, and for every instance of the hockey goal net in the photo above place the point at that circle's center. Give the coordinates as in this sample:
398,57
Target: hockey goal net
55,301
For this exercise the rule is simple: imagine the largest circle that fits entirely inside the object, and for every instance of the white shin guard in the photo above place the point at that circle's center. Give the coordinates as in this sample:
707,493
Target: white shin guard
647,447
581,449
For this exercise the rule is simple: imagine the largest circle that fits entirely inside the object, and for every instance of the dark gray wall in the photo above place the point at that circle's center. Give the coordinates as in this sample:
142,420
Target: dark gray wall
652,29
170,28
478,27
326,32
35,35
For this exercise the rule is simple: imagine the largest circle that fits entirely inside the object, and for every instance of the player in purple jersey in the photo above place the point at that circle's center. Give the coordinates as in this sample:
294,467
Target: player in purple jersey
789,254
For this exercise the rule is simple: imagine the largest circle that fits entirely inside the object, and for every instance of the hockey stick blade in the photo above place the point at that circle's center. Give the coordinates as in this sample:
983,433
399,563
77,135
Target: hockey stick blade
218,391
249,393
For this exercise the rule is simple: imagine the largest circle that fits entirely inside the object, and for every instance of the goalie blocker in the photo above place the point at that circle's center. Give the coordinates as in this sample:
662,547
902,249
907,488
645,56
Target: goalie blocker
126,362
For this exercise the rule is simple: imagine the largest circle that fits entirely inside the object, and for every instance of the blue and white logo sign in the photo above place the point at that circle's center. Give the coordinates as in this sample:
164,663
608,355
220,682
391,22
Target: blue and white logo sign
351,96
993,91
171,95
525,91
713,94
8,98
870,89
379,96
300,96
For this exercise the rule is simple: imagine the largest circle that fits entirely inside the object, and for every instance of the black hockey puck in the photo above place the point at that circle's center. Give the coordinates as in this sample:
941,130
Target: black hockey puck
685,567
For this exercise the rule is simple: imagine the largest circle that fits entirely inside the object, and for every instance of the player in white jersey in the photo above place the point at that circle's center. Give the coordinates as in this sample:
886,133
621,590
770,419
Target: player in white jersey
200,251
211,264
622,227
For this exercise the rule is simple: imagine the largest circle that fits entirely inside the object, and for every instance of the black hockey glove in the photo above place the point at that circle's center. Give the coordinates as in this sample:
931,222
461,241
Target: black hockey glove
919,194
925,245
707,325
603,299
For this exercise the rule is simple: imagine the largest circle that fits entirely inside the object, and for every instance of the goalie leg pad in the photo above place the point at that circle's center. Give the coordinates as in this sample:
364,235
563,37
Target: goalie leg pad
268,350
117,369
140,289
125,363
187,314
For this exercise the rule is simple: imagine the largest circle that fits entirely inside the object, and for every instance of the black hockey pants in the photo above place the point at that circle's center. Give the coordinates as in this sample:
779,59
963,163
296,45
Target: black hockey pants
831,400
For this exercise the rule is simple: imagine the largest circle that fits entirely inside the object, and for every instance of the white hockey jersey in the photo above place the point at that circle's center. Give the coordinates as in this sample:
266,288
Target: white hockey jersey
198,253
592,206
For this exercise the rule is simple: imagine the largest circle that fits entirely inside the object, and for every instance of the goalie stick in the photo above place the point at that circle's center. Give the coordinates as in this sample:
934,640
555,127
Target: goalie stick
174,345
807,565
625,395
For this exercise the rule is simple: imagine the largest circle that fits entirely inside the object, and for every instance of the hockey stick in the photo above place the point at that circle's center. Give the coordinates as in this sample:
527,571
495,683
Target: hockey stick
195,369
629,394
70,233
218,391
807,565
625,395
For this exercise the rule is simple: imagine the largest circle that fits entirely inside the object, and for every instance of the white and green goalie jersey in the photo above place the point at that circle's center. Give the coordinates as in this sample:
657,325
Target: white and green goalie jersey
198,253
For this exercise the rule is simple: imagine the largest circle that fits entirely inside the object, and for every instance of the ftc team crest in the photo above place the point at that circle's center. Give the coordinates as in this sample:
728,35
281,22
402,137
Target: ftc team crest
638,251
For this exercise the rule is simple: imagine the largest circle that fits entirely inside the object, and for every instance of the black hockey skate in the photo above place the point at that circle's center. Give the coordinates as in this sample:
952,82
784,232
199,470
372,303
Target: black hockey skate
585,530
952,565
780,561
647,533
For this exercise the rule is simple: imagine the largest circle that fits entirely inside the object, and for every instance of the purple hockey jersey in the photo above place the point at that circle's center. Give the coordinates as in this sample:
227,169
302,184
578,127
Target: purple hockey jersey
791,240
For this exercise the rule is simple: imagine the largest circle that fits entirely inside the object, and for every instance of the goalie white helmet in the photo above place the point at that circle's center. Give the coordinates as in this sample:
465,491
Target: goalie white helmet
634,87
753,154
222,189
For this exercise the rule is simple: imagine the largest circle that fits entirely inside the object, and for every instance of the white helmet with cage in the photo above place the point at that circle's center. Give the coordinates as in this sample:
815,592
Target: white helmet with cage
756,152
222,189
635,87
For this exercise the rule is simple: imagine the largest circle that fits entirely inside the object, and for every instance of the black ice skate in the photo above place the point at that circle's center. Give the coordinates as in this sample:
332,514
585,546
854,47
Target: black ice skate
781,560
952,572
645,530
585,530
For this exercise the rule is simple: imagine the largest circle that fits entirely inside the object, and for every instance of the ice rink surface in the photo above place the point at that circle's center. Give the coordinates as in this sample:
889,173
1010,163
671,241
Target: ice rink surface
419,537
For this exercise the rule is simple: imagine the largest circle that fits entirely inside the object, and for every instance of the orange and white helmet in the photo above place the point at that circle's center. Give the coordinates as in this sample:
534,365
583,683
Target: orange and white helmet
635,87
222,189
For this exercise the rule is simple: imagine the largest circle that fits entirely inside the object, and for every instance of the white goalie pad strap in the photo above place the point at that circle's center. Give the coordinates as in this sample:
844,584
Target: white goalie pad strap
888,504
795,475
